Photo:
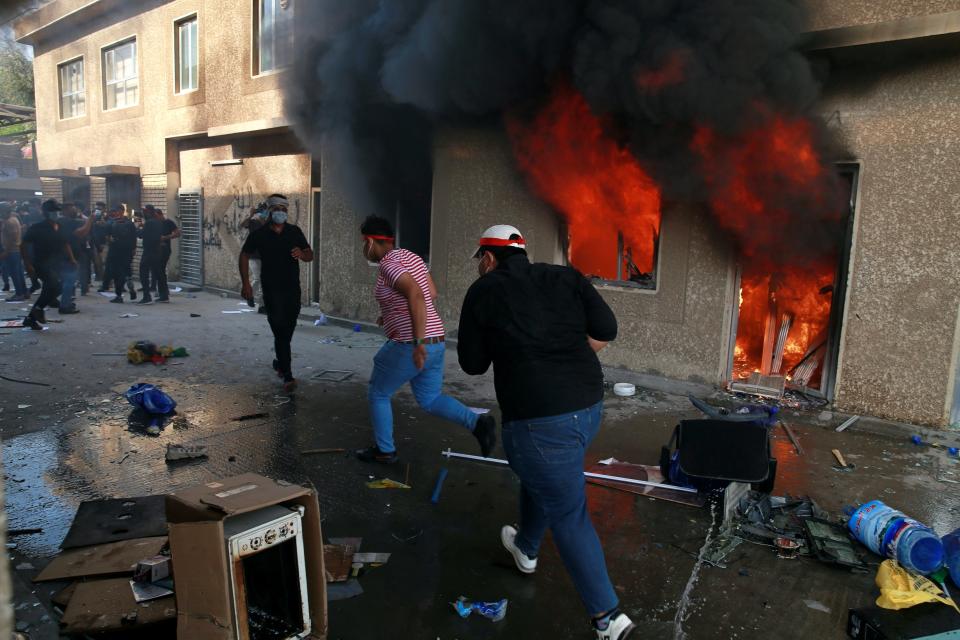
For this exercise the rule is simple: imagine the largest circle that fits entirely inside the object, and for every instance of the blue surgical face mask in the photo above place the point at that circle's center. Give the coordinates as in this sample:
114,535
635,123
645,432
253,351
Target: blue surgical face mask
262,214
278,217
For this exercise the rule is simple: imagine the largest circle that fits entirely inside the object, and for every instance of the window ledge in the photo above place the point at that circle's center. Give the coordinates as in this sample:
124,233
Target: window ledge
623,285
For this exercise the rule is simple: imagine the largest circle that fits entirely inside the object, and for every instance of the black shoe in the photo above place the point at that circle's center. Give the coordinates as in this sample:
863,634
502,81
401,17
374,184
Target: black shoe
289,383
133,295
486,433
163,299
40,315
373,454
276,368
117,299
69,310
6,288
31,322
146,300
262,309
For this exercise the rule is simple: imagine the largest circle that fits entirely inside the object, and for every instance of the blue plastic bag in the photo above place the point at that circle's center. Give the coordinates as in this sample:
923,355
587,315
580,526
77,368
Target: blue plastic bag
150,399
495,611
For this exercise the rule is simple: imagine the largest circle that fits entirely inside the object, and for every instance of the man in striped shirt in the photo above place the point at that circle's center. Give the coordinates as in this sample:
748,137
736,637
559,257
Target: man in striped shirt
415,350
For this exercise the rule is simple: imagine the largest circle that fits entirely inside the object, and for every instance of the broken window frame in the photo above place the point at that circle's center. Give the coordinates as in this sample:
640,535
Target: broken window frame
623,261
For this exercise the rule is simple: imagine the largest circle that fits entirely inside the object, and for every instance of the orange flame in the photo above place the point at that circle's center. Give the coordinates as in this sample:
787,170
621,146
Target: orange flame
597,185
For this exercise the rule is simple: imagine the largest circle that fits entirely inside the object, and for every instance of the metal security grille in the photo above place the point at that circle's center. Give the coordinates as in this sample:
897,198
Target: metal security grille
190,209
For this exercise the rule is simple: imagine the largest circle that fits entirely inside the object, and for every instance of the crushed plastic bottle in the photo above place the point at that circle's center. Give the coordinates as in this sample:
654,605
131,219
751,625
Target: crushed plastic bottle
494,611
890,533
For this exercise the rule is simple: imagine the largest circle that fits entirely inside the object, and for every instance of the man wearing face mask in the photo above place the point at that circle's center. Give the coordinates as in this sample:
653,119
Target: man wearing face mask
281,246
541,327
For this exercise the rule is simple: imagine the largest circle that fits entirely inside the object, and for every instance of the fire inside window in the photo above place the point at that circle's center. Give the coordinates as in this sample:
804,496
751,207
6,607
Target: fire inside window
623,257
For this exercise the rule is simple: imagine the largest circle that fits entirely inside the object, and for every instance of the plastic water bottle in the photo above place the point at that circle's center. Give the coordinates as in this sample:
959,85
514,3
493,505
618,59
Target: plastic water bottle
951,547
888,532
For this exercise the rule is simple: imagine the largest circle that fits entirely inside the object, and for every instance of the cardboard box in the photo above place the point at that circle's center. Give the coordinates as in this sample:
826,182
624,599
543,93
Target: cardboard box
152,569
200,563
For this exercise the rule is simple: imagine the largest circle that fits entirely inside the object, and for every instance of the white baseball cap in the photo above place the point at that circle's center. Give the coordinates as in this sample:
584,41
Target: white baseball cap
500,235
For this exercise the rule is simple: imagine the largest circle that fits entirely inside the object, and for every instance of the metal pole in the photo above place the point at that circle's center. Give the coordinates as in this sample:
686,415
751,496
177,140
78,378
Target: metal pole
600,476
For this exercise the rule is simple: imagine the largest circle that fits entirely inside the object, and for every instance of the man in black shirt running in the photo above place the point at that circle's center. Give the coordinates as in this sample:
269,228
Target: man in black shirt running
48,250
282,246
541,327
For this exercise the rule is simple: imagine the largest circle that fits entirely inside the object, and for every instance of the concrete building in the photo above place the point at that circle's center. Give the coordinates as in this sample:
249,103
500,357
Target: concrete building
177,103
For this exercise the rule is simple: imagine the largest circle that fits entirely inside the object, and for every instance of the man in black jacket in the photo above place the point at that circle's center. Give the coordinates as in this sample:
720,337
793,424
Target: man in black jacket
541,326
123,244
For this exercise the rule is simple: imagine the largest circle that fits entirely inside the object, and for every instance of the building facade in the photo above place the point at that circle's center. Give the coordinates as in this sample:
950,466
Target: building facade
178,103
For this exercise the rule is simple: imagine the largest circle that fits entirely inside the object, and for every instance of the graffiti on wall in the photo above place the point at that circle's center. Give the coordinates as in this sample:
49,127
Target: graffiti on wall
228,220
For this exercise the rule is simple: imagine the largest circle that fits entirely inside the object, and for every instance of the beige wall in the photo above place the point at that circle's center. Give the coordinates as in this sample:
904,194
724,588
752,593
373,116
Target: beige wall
829,14
899,347
136,136
228,194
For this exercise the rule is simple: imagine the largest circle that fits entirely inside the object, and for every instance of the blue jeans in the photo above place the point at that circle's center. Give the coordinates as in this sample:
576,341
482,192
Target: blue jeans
68,276
547,454
392,367
13,267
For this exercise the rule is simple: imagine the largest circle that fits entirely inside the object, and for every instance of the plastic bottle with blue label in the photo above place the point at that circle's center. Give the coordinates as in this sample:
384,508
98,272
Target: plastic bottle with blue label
951,548
888,532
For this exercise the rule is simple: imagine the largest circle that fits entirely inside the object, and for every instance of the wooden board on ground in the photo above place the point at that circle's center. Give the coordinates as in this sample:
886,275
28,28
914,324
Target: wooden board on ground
108,605
642,472
337,560
101,560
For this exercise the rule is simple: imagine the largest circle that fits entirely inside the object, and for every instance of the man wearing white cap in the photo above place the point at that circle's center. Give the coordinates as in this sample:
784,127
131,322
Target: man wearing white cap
281,246
541,326
415,350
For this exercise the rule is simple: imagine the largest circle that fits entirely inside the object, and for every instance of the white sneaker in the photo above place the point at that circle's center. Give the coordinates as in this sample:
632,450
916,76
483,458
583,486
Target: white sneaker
618,629
508,536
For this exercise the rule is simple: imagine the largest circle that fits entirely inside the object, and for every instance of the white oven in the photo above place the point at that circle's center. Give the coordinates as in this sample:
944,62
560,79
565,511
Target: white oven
268,580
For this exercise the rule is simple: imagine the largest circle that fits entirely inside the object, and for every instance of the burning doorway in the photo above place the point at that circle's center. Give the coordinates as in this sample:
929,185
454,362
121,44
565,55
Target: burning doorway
787,321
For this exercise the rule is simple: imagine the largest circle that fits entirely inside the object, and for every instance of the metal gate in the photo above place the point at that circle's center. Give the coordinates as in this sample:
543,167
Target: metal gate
190,209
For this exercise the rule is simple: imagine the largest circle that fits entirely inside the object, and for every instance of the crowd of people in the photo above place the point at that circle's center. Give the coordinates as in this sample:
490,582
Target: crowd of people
63,247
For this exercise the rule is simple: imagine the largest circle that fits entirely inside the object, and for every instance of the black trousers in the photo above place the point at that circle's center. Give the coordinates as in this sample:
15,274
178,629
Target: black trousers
164,259
118,266
85,265
151,275
283,309
52,286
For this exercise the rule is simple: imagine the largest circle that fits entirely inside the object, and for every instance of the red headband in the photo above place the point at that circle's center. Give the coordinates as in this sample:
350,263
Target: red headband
501,242
370,237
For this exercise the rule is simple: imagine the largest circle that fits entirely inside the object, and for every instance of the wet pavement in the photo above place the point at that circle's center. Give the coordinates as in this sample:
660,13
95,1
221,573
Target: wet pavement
78,440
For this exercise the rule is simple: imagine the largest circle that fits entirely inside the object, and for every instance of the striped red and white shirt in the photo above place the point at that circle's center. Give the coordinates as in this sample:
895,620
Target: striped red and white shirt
394,308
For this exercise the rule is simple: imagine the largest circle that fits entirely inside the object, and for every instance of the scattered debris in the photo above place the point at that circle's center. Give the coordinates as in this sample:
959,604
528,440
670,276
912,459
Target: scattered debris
371,558
901,589
231,311
332,375
337,561
386,483
23,406
185,452
657,488
129,315
438,487
310,452
24,566
99,560
144,351
408,538
24,532
195,315
17,380
478,410
344,590
145,592
494,611
830,542
847,423
96,521
816,605
108,354
787,548
250,416
109,605
320,321
839,456
624,389
793,437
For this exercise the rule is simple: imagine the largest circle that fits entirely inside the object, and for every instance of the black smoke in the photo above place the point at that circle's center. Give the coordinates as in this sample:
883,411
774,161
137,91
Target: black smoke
377,76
